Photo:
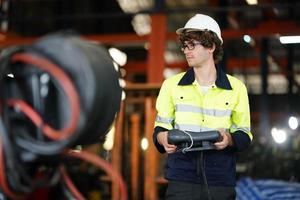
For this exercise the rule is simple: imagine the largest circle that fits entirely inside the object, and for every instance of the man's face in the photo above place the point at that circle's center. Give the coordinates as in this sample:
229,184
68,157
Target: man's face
195,54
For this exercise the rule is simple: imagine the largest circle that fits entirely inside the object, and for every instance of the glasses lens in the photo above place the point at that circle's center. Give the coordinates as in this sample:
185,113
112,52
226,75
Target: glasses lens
182,46
188,44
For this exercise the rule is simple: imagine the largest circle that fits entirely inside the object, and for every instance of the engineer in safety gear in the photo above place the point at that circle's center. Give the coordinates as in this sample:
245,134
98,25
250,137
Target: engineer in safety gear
201,99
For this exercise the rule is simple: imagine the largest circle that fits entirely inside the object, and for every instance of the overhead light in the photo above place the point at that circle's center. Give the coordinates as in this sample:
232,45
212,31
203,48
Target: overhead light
141,24
278,135
131,6
10,75
293,123
252,2
247,38
289,39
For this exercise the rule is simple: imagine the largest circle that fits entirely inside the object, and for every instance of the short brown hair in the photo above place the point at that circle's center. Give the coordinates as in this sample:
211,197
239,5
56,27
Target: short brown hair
207,39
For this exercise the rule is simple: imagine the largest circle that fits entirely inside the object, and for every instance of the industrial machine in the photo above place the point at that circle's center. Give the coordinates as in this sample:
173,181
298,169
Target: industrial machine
57,93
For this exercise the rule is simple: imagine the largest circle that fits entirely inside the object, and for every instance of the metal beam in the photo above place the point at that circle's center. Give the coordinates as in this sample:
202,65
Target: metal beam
157,42
232,63
264,29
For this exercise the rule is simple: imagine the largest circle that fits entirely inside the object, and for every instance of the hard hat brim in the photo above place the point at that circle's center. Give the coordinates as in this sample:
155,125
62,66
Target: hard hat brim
181,30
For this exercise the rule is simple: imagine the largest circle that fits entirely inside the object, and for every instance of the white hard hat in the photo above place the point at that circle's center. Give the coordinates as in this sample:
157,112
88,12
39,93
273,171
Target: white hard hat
202,22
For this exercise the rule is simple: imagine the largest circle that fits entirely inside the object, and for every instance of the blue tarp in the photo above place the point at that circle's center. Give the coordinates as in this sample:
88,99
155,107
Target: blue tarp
249,189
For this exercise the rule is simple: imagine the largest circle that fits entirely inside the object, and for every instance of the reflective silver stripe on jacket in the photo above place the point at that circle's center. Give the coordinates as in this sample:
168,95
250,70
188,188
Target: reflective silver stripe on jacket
205,111
165,120
244,129
193,128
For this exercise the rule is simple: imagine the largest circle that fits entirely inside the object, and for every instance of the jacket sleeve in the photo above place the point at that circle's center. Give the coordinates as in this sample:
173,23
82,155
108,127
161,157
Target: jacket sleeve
241,140
240,128
159,147
165,113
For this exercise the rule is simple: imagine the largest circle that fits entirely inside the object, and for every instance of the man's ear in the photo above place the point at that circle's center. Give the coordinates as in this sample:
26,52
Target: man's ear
212,49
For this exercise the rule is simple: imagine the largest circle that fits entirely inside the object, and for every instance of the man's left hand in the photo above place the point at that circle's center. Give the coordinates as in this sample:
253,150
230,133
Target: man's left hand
226,140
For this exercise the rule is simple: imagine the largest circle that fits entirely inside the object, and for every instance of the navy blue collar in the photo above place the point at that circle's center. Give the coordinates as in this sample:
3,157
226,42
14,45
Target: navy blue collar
221,82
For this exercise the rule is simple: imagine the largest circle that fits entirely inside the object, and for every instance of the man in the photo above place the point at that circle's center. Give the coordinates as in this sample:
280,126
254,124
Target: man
201,99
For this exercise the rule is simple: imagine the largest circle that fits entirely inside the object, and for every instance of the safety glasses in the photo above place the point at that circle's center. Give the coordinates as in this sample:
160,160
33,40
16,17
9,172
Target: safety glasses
189,44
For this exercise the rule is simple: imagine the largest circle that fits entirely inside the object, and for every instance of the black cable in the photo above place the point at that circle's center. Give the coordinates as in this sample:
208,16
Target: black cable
17,172
202,165
20,174
14,169
45,147
19,177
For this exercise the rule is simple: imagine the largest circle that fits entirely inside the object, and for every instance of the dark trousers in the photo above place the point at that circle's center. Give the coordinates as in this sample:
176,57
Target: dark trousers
188,191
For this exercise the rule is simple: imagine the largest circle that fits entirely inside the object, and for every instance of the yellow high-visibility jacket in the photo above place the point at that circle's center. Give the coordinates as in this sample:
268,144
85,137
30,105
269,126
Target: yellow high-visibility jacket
182,105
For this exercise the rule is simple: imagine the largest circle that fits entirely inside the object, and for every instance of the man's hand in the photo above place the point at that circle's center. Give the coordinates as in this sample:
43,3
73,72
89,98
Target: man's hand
162,139
226,140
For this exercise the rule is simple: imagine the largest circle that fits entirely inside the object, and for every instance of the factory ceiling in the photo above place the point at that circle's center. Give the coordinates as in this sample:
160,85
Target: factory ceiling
268,19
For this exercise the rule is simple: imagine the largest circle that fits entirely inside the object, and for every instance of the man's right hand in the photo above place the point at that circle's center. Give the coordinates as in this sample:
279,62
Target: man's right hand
162,139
